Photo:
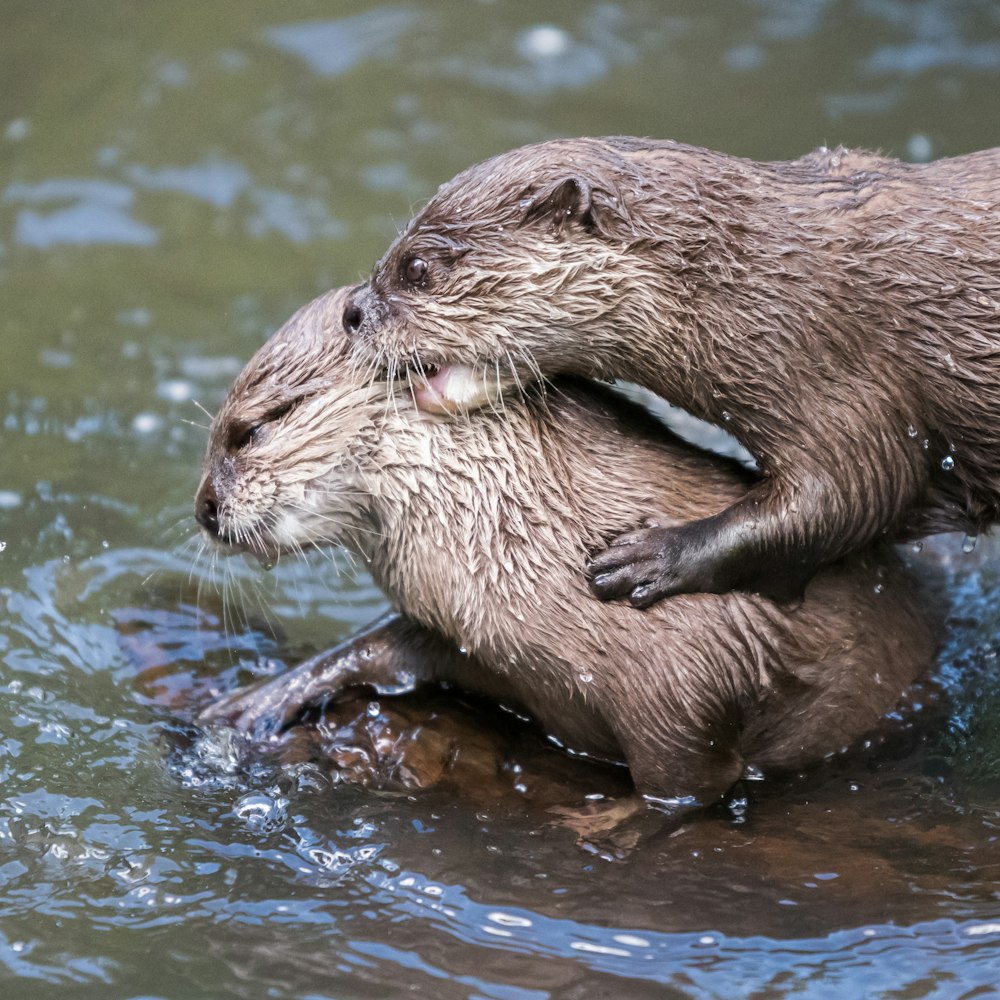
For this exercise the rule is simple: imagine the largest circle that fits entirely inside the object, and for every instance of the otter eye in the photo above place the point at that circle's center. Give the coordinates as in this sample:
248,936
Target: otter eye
243,434
415,270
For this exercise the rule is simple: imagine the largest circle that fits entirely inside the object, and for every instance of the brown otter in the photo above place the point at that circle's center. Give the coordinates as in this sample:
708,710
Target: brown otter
475,527
839,314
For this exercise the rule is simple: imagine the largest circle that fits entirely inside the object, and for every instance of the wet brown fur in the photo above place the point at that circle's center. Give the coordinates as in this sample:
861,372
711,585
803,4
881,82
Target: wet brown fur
839,314
475,528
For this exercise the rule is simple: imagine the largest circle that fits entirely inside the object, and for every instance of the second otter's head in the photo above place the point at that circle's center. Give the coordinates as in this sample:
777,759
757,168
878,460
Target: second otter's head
280,471
509,263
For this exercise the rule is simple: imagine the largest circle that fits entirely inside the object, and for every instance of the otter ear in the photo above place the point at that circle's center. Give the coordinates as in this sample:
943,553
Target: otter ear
568,200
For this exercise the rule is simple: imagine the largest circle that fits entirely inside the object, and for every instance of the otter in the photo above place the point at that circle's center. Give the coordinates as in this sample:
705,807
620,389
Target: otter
839,314
474,529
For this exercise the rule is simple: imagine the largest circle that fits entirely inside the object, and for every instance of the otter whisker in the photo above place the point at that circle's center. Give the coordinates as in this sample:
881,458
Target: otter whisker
336,522
194,423
513,371
538,377
203,410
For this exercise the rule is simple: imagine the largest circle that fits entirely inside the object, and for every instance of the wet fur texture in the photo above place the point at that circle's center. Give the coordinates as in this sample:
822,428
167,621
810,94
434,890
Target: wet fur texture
475,528
839,314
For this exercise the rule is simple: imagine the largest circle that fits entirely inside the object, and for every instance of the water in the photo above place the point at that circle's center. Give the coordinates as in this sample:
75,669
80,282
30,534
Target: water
175,181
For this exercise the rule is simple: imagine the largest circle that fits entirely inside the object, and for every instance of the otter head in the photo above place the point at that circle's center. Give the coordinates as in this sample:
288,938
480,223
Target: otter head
280,471
509,264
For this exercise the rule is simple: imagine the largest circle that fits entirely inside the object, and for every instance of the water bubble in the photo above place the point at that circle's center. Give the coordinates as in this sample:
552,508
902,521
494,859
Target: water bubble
262,813
969,543
947,463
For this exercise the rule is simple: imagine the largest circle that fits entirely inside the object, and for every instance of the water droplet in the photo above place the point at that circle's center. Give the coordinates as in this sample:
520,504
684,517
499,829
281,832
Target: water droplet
919,147
543,42
175,390
911,431
373,709
925,444
947,463
917,546
727,416
969,543
879,587
586,678
146,423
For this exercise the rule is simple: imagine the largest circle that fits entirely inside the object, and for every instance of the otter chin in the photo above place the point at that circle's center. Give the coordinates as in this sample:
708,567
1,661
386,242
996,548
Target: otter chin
475,528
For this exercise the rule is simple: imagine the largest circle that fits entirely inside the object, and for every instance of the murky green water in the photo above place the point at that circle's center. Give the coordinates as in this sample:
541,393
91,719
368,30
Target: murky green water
174,180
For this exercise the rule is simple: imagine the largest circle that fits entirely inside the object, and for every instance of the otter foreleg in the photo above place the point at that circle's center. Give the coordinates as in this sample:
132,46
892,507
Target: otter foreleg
772,541
393,656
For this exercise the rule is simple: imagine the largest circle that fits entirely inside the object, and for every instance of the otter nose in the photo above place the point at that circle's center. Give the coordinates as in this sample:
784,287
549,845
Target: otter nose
353,316
206,508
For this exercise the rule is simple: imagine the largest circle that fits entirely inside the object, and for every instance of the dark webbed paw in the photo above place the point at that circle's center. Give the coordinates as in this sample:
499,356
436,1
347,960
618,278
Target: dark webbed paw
259,711
645,566
654,562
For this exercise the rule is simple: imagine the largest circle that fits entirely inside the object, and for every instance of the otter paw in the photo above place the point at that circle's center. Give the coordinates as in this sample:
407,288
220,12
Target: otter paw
259,711
646,566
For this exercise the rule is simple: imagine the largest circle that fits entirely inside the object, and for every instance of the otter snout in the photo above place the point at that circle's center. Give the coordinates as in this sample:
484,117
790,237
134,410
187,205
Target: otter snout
206,507
360,312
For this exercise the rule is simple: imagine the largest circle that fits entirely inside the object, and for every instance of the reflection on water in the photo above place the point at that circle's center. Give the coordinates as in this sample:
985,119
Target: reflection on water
175,181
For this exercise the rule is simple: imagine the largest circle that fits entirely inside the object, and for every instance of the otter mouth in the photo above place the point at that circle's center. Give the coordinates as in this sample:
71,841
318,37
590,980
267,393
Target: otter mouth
453,388
226,544
457,389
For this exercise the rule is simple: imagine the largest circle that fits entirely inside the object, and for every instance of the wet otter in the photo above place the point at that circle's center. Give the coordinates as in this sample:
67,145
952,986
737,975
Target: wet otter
475,528
839,314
